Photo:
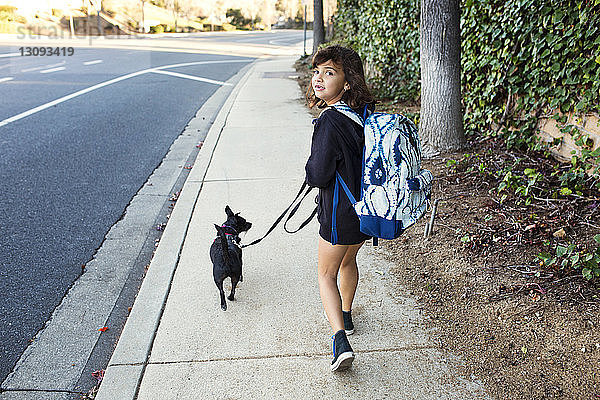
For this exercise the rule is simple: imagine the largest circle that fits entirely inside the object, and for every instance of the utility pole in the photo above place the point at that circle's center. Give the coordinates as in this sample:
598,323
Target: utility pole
318,26
72,28
97,4
143,20
305,4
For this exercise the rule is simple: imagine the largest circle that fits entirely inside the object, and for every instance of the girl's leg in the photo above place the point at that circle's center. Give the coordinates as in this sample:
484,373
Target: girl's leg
330,259
349,276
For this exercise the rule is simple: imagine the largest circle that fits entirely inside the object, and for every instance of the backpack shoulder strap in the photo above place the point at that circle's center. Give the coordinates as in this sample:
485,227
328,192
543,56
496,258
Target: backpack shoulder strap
348,112
345,187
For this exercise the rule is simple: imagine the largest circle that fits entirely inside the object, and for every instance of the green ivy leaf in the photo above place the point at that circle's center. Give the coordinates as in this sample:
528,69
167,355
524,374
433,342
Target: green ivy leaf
565,191
544,256
587,273
560,251
575,260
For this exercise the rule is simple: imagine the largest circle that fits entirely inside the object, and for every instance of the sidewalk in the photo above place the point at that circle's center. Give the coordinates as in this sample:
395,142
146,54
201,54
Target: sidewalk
273,341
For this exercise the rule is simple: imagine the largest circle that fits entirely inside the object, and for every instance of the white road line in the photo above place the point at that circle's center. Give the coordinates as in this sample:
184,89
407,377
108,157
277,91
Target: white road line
34,69
68,97
109,82
6,79
195,78
10,55
202,62
43,66
47,71
92,62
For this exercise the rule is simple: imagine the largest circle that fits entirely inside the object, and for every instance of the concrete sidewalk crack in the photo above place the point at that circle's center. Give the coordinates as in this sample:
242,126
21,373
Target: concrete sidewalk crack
290,355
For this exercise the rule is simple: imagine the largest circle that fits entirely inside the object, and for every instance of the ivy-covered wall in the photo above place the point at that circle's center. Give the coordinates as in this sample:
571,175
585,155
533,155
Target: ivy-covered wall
386,35
536,56
521,59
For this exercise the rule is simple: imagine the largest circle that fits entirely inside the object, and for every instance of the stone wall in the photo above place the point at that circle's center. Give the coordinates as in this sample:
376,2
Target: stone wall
549,130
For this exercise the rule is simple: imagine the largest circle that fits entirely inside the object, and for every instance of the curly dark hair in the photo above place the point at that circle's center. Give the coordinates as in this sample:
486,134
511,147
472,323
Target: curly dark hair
358,95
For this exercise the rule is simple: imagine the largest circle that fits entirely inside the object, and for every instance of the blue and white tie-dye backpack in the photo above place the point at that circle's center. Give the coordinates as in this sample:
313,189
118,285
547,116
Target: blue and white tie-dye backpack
395,189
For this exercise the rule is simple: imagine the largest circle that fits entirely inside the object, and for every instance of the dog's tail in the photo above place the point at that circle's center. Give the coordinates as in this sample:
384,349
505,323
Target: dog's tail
224,244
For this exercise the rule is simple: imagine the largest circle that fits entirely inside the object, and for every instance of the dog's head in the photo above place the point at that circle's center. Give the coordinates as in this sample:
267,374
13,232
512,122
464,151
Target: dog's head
236,221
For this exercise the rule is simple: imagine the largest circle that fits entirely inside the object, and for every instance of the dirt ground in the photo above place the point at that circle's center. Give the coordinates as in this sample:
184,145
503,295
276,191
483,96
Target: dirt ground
524,337
524,331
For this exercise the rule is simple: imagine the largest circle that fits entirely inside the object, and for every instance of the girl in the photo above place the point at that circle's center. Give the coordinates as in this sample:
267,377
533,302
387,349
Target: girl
337,145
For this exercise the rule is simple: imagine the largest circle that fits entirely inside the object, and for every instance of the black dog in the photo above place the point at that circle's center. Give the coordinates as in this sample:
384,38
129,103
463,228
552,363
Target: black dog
226,253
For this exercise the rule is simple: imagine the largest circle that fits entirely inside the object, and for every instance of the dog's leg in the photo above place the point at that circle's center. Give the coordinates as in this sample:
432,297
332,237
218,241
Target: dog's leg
234,283
222,293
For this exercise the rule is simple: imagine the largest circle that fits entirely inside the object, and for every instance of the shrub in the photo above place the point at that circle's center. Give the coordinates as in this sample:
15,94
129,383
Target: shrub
157,29
571,256
228,27
386,35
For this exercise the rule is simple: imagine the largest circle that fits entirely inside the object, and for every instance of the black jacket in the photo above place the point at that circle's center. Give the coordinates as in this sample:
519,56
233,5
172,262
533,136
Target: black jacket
337,145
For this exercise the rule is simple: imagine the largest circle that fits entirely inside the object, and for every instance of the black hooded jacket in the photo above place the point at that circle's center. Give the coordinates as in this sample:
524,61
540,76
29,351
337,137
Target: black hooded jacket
337,145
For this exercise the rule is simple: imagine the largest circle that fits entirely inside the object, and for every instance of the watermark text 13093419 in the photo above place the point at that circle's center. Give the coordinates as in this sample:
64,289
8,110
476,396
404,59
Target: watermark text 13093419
46,51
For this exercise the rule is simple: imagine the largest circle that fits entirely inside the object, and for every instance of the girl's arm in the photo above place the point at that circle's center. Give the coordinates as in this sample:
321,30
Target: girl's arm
324,154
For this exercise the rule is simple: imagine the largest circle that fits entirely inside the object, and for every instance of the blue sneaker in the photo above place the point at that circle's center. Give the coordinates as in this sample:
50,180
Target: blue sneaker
342,352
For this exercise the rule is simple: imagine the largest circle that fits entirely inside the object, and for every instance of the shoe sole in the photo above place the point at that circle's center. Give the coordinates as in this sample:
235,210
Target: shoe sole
343,362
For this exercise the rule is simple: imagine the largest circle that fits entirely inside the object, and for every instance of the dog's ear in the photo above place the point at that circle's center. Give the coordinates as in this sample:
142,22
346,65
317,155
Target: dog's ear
228,211
219,229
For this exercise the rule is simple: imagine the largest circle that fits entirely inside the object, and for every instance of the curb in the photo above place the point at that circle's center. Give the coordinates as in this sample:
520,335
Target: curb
127,365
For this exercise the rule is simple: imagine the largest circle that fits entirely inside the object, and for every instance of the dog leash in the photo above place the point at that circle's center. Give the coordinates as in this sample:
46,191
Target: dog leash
292,213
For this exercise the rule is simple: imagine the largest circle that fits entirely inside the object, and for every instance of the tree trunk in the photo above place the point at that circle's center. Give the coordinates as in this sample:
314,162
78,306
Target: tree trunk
143,21
318,26
441,121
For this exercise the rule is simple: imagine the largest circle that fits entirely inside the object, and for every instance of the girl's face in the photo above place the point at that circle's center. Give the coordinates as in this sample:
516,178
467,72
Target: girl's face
329,82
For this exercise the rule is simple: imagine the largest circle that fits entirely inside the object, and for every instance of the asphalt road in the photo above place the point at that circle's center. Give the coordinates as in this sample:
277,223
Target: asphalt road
67,172
275,37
